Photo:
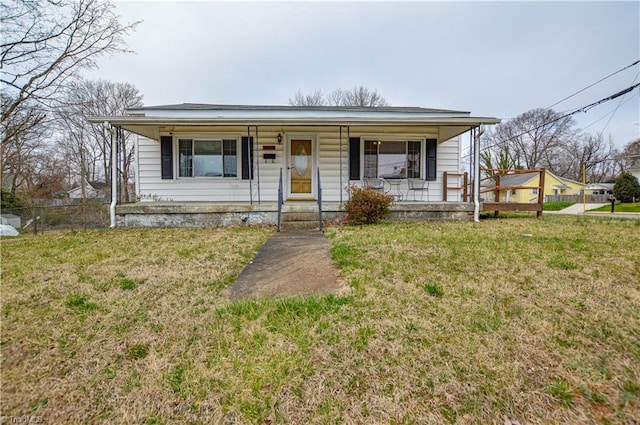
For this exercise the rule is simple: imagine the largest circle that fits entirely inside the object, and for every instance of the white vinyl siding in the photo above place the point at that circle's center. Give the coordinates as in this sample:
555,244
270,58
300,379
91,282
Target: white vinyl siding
328,158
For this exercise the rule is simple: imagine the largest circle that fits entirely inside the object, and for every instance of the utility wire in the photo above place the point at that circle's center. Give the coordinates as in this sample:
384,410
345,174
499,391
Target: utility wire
591,85
617,107
622,102
582,109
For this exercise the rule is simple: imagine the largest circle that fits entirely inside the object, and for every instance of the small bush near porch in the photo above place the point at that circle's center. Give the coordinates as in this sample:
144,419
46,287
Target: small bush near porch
446,322
368,206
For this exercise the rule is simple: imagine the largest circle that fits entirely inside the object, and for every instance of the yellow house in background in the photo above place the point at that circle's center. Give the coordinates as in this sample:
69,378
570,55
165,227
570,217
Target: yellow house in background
553,185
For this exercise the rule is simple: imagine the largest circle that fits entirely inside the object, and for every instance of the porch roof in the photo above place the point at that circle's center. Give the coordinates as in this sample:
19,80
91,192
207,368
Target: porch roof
149,121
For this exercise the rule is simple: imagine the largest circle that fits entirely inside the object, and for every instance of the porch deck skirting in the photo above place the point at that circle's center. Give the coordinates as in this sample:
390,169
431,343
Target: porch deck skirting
166,214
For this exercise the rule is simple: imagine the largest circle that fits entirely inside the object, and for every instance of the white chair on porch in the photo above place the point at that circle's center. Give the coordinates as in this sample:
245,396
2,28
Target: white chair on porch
374,183
418,185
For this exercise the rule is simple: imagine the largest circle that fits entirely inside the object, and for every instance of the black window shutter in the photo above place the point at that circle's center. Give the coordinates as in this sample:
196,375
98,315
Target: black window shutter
166,156
247,152
431,149
354,158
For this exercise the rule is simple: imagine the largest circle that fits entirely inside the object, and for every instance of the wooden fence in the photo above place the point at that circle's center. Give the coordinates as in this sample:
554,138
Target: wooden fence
492,183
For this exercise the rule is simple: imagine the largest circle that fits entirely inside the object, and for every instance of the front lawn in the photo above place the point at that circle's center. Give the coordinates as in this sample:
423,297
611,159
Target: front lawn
533,319
619,207
556,206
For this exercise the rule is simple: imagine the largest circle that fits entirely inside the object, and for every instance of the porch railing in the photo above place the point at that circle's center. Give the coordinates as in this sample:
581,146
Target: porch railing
280,199
446,188
319,201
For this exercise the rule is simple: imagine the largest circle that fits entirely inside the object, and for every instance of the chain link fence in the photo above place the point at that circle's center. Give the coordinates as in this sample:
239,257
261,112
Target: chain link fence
41,218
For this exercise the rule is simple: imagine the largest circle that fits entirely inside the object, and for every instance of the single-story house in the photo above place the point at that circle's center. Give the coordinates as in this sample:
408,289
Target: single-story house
93,190
523,187
202,164
599,189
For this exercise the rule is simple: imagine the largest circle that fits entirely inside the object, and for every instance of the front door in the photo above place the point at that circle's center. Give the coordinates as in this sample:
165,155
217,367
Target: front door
301,168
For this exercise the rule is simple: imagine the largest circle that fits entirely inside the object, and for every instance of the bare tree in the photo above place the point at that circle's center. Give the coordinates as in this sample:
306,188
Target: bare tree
363,96
593,151
49,177
89,144
335,98
356,96
23,137
630,155
544,138
533,138
315,98
45,43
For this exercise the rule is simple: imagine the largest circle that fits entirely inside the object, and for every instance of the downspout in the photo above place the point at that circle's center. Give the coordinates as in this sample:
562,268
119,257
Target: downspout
114,176
476,175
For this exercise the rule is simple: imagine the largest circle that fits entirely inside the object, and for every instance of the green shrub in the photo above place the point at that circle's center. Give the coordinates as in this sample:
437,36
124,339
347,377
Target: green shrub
626,188
368,206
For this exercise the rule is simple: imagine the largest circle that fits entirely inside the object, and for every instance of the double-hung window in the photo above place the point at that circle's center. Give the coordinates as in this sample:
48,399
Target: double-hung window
208,157
392,159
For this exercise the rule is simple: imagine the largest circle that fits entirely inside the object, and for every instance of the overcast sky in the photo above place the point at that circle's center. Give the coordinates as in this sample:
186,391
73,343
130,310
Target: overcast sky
490,58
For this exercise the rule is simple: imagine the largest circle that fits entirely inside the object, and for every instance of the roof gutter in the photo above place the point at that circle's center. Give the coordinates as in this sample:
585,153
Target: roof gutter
334,122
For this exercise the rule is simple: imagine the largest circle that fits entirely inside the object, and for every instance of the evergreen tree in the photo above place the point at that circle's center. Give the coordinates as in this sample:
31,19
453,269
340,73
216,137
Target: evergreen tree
626,188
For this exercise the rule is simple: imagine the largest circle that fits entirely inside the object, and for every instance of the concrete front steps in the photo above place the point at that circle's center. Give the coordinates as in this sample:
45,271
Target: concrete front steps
292,221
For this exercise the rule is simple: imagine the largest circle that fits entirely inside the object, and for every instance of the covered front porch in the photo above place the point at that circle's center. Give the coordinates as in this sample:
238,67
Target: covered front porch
210,165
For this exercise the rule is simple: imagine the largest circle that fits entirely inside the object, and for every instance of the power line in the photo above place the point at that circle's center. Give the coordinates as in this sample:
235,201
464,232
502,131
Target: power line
582,109
617,107
591,85
608,113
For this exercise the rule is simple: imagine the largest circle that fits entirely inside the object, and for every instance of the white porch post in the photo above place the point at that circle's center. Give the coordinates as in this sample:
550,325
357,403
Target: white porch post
114,176
476,175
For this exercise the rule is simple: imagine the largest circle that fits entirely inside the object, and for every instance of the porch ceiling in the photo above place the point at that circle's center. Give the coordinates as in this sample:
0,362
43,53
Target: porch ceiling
152,126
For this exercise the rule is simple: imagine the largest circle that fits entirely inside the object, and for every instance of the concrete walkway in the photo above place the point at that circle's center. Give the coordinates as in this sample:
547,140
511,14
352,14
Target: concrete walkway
575,209
289,264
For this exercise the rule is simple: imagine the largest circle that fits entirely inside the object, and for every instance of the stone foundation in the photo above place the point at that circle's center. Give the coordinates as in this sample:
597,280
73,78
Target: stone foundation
266,214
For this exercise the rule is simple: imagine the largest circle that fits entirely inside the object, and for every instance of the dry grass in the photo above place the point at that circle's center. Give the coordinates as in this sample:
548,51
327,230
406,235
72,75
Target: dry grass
445,323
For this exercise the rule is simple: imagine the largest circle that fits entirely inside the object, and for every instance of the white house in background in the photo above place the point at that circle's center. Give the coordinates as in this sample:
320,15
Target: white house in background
635,170
197,161
599,189
93,190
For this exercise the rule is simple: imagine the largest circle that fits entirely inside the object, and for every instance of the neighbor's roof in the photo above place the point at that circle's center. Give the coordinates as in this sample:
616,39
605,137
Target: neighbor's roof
518,179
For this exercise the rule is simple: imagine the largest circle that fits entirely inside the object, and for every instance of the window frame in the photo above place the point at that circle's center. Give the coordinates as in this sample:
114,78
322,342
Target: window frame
406,140
206,138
